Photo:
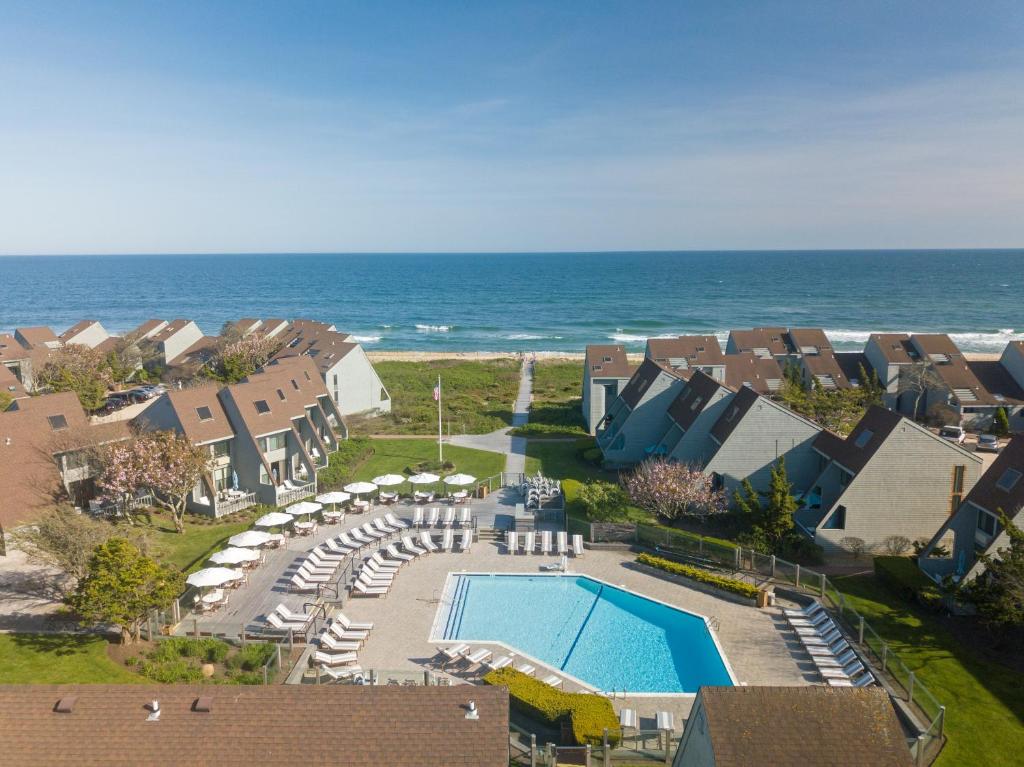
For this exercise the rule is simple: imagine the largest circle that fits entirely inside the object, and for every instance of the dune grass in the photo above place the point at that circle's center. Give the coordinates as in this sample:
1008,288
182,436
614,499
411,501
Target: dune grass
59,659
557,401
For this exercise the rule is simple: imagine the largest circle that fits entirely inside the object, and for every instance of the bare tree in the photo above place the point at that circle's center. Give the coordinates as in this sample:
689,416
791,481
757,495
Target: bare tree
917,379
896,545
854,545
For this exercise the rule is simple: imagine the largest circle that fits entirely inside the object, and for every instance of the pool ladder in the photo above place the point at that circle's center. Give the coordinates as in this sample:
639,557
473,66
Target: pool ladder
713,623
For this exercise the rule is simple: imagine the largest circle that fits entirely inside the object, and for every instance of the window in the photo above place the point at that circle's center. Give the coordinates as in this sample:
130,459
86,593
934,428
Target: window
222,478
57,422
220,449
204,413
280,394
696,403
74,461
1009,479
306,373
987,523
264,477
295,384
838,519
273,442
261,406
863,438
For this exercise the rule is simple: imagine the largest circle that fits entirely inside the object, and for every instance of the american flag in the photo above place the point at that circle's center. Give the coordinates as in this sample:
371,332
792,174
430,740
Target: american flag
437,393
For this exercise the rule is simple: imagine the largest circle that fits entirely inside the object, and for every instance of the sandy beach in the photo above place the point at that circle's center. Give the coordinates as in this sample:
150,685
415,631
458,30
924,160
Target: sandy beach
426,356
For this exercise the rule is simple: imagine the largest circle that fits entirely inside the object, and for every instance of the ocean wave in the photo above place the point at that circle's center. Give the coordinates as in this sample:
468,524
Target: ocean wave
621,337
434,328
968,342
367,339
530,337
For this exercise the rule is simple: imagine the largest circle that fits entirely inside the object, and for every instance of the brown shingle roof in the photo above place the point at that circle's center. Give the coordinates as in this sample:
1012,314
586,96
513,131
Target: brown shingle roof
771,339
166,332
270,726
37,336
934,343
641,381
295,377
146,328
985,493
803,726
317,340
997,383
895,347
808,338
696,350
186,404
825,366
879,421
607,361
10,384
11,349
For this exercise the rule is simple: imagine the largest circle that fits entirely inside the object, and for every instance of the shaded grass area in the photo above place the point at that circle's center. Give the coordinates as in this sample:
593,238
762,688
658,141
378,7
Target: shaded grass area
394,456
59,659
984,700
557,401
188,551
477,397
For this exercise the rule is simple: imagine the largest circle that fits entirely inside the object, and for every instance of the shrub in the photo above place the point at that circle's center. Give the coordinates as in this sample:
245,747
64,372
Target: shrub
254,656
896,544
902,576
343,462
588,715
603,501
732,585
207,650
171,672
801,550
854,545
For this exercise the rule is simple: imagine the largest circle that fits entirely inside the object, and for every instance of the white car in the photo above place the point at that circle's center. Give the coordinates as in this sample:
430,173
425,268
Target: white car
953,434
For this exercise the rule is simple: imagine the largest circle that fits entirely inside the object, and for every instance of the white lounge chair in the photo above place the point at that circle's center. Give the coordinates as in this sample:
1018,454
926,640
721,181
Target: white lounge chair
805,612
447,540
395,522
288,615
349,542
861,681
562,542
851,671
410,545
511,542
372,531
823,640
453,653
372,577
545,541
427,542
665,720
432,517
397,555
360,589
300,585
417,516
338,659
312,577
839,660
327,557
344,620
347,635
500,662
529,541
384,564
464,517
467,540
341,672
526,668
553,680
828,651
335,547
628,718
322,562
384,527
359,536
336,645
282,625
476,657
449,517
577,545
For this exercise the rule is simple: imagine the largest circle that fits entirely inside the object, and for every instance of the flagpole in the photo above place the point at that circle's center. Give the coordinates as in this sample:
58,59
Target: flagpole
440,449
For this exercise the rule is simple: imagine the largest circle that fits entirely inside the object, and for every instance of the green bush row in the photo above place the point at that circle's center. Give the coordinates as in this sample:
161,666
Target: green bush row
342,463
903,577
588,715
731,585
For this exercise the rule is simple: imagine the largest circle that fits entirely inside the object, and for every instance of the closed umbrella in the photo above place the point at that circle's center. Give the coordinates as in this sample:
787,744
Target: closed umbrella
213,576
234,556
460,479
273,519
303,508
250,538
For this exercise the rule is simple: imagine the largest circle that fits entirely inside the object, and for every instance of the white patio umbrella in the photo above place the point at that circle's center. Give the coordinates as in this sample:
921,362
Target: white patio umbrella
213,576
234,556
460,480
388,480
333,498
423,479
303,508
360,487
250,538
273,519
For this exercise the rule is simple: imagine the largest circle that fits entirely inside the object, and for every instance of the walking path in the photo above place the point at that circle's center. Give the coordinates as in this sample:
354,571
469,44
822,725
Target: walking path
501,441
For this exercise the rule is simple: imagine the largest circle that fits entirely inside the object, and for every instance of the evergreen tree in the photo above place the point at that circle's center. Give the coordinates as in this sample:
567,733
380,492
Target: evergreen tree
999,592
1000,423
747,502
777,512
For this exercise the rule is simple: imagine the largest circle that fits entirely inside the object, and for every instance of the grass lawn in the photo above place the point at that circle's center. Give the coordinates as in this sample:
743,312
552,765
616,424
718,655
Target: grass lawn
59,659
557,402
477,397
984,700
190,550
393,456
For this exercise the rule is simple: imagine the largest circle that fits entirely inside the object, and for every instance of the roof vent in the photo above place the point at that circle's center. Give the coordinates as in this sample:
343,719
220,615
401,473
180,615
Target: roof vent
154,711
471,711
66,704
203,704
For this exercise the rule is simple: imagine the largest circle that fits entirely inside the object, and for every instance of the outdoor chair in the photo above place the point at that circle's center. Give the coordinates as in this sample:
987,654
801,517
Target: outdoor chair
628,718
432,516
427,542
275,620
338,659
417,516
511,541
360,589
529,542
395,554
352,625
347,635
447,540
467,540
333,644
343,672
577,545
553,680
562,543
395,522
411,547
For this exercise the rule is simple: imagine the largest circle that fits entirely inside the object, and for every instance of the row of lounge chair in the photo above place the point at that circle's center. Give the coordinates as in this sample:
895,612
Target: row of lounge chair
534,542
338,645
482,660
377,573
835,659
432,517
663,720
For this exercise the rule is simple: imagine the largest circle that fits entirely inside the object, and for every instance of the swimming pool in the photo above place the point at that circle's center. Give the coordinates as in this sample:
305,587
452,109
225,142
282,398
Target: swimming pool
605,636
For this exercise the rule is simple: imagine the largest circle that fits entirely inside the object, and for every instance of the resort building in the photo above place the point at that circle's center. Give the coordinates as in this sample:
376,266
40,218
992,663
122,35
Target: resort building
25,352
636,419
975,528
688,353
743,726
751,434
761,342
172,339
823,370
890,354
762,374
344,367
268,435
44,455
85,333
890,476
690,416
10,385
244,725
606,372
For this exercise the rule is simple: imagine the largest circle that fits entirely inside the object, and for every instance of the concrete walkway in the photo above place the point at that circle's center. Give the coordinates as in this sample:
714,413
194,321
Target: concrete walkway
501,441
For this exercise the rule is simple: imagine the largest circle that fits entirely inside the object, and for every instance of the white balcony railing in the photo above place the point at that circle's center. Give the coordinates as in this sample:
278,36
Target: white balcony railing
286,496
230,505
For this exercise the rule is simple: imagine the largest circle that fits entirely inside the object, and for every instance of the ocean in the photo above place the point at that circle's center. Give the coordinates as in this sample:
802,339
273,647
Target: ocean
536,301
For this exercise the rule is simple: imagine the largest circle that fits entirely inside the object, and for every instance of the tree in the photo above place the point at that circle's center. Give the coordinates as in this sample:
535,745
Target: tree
854,545
673,490
125,359
603,501
1000,423
998,594
916,379
896,545
121,585
871,387
79,369
238,356
125,471
771,516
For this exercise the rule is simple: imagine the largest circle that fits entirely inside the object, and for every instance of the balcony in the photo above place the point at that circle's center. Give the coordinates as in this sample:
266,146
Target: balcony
229,504
286,495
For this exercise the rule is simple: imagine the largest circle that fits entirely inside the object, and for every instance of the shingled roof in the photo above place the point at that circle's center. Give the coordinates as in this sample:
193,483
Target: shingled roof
641,381
849,452
786,726
692,400
987,493
696,350
241,726
607,361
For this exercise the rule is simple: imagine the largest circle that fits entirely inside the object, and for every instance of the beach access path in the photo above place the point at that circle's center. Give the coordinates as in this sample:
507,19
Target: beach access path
501,441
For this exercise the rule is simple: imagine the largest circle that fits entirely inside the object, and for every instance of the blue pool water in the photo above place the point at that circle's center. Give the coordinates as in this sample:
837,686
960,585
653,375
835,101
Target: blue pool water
609,638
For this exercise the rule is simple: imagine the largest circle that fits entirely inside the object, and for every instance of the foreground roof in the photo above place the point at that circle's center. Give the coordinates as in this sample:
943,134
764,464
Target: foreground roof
854,452
786,726
995,489
758,339
641,381
236,725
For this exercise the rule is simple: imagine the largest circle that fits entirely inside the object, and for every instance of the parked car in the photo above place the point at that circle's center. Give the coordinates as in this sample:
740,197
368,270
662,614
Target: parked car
148,391
988,443
953,434
117,401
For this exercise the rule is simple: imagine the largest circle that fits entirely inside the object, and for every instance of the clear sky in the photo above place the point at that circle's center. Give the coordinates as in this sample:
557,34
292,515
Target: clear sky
585,125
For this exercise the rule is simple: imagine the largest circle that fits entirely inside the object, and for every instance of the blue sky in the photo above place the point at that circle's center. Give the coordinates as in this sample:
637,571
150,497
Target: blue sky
212,127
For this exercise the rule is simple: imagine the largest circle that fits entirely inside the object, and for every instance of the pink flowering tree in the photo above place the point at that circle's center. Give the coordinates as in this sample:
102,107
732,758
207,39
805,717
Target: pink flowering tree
241,357
164,463
674,490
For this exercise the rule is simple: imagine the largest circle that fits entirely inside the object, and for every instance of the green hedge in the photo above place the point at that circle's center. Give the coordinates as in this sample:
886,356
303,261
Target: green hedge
903,577
742,588
588,715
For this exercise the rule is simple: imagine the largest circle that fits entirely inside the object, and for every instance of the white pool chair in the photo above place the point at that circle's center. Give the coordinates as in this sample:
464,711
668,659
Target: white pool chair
410,545
395,522
380,524
448,540
372,531
336,547
466,541
529,541
500,662
861,681
432,516
417,516
545,542
351,624
450,654
562,542
397,555
288,615
805,612
851,671
476,657
341,672
449,517
347,635
665,720
628,718
337,659
386,564
276,621
839,660
511,542
312,577
427,542
360,589
360,537
464,518
577,545
526,668
300,585
553,680
336,645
